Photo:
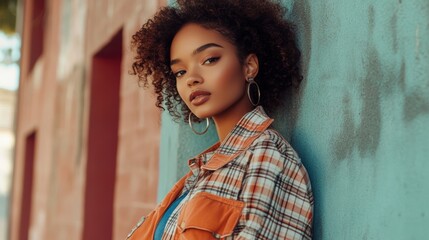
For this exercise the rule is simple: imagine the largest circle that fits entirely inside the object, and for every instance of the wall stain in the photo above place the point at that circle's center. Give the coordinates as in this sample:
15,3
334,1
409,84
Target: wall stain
329,22
416,104
365,234
394,31
416,97
392,73
402,76
371,19
390,82
368,134
344,145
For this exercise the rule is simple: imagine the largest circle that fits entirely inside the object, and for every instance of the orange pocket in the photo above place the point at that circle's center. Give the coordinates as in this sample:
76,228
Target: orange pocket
207,216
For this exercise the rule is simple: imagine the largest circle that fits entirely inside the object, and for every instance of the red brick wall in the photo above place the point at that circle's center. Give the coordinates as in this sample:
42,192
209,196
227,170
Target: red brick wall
55,100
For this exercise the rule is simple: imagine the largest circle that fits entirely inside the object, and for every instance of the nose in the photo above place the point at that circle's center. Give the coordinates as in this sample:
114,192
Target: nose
194,79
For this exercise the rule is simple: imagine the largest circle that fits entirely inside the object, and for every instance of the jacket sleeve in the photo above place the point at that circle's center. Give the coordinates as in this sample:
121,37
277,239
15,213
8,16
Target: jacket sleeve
277,195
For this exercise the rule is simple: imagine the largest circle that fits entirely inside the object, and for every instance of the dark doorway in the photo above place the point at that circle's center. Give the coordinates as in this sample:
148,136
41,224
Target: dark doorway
37,31
27,186
102,140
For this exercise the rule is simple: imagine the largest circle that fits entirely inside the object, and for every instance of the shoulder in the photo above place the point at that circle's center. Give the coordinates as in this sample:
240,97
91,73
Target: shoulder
271,142
272,154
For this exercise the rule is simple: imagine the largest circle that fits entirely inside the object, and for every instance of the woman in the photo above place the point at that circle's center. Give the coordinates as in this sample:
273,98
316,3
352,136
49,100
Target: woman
228,60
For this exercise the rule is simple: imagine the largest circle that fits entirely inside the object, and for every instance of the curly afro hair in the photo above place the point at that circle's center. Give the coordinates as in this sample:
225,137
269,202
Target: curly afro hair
253,26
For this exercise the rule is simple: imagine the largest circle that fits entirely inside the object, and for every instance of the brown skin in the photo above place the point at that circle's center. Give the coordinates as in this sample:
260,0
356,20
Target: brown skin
205,60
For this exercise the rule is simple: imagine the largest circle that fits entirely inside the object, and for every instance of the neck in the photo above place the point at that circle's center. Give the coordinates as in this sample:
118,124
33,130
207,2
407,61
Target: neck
227,120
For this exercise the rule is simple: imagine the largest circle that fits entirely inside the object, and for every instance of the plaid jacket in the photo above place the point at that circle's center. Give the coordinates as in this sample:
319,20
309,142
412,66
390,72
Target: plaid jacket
251,186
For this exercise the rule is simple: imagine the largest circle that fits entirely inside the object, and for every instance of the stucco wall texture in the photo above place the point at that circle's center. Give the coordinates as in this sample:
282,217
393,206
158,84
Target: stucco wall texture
360,120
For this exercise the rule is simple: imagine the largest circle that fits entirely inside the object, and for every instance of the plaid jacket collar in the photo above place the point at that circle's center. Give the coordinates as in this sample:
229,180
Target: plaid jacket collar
250,126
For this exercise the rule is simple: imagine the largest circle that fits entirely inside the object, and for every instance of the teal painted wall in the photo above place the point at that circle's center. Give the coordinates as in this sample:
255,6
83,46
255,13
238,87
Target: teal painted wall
360,120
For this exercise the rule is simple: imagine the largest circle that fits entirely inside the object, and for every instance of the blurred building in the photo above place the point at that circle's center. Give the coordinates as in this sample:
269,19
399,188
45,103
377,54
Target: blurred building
87,143
9,71
7,107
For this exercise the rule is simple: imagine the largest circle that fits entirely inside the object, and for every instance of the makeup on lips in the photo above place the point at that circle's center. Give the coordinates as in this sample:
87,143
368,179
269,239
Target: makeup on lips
199,97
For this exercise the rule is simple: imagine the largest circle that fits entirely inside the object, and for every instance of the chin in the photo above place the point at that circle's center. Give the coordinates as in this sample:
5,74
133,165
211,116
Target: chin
202,113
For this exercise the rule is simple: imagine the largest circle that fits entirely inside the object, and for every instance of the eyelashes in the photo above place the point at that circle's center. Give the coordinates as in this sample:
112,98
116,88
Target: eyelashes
208,61
211,60
180,73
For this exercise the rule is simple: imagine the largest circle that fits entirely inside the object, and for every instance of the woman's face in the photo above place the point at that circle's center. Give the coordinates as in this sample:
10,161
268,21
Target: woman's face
209,76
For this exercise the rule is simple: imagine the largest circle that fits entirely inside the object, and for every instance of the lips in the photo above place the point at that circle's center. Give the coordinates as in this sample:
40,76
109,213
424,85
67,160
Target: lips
199,97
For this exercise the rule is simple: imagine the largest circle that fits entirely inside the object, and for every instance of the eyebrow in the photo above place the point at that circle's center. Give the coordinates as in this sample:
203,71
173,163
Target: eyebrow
198,50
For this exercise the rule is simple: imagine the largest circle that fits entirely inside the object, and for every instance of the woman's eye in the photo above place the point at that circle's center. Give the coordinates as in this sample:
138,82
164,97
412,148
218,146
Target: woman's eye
211,60
179,73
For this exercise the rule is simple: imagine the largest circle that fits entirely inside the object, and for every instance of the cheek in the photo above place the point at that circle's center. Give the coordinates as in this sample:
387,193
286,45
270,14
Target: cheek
231,79
181,91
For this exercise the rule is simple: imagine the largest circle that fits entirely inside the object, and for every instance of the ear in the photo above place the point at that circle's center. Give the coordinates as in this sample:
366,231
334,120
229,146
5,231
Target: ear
251,66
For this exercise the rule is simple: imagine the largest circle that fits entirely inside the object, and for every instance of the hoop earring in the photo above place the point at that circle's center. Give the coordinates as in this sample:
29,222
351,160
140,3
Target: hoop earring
198,133
251,81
